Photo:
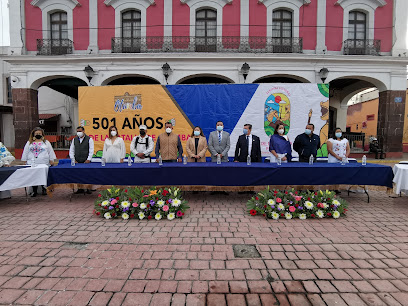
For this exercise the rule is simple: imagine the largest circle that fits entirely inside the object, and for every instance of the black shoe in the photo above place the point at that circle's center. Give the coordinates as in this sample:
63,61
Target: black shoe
44,191
79,191
224,193
88,191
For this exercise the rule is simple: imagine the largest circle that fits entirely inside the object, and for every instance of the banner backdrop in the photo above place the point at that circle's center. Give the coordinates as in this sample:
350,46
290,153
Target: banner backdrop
262,105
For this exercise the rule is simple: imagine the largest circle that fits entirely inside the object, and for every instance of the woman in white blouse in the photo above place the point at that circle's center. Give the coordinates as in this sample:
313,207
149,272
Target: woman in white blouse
114,150
338,147
38,150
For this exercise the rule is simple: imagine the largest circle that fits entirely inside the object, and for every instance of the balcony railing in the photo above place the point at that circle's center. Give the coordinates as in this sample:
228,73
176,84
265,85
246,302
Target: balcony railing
225,44
362,47
54,46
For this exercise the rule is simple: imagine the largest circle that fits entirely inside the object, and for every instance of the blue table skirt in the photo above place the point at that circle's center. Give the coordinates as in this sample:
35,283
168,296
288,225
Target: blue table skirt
226,174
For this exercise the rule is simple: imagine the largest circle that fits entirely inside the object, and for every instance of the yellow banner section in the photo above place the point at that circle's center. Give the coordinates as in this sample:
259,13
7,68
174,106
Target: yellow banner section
127,107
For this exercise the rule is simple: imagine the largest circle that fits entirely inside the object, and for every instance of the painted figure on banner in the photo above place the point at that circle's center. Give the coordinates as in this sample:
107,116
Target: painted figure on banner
277,110
142,146
219,143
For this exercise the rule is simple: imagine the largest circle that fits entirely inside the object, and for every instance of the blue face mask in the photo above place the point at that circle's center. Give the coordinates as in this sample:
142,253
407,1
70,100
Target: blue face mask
196,133
338,134
245,131
220,128
308,132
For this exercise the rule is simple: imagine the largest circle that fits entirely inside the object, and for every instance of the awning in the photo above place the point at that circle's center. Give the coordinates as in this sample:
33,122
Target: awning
47,116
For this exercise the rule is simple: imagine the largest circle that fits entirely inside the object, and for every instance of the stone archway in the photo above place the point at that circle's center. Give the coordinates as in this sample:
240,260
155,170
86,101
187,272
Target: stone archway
281,78
130,80
205,79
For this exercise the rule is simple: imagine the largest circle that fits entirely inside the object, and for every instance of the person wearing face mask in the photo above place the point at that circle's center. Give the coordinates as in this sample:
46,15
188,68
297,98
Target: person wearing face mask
142,146
338,147
114,150
168,145
39,150
248,145
307,144
196,146
82,150
279,145
219,143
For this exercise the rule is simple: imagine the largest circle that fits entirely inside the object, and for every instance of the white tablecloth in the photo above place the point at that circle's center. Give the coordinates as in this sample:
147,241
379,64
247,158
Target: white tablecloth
401,178
25,177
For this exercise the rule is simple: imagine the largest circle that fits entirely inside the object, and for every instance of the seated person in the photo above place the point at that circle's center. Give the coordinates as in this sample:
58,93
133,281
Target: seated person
375,148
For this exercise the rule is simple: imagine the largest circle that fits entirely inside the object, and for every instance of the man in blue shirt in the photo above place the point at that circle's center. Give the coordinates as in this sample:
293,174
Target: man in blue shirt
307,144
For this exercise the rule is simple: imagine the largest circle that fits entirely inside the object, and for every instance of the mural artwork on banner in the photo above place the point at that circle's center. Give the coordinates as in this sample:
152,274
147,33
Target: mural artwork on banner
262,105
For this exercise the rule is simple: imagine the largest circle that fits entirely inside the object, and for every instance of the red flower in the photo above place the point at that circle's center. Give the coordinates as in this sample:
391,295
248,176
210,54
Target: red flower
282,215
315,193
148,205
329,214
117,206
264,215
113,214
149,217
253,212
117,198
99,205
278,200
312,215
328,199
130,200
142,190
295,192
98,213
125,190
182,214
265,206
308,199
132,215
99,195
256,198
275,191
286,192
297,205
165,192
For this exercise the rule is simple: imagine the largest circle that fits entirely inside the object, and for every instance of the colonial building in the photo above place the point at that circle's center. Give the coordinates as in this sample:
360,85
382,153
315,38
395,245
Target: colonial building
353,45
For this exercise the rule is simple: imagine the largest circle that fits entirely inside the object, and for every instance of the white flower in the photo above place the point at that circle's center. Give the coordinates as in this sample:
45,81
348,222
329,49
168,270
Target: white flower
160,203
175,192
336,202
302,216
309,205
176,203
288,216
275,215
271,202
141,215
336,215
125,216
143,206
158,216
320,213
281,206
105,203
325,205
171,216
107,215
125,204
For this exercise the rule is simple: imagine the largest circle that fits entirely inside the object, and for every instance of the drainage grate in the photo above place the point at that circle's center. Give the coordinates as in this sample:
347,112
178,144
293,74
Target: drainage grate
245,251
75,245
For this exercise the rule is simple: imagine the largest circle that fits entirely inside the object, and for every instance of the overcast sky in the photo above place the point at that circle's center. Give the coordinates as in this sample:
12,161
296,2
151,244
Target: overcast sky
4,23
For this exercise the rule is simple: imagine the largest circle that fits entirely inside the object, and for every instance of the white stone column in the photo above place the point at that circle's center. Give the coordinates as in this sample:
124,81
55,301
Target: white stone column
168,23
244,27
321,27
17,23
400,28
93,27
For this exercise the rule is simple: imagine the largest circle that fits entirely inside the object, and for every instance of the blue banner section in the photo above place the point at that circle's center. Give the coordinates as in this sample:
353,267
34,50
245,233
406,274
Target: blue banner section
204,105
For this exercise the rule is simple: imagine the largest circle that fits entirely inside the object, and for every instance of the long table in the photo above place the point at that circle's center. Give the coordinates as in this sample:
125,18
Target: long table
226,174
22,176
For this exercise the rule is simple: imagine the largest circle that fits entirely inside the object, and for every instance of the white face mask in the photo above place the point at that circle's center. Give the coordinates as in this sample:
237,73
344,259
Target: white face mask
281,131
113,133
168,130
80,134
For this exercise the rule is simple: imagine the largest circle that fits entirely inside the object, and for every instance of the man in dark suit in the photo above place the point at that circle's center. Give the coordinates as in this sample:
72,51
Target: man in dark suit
248,144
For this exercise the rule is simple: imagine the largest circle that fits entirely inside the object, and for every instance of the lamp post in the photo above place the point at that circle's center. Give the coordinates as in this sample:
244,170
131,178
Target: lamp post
89,73
245,70
166,71
323,73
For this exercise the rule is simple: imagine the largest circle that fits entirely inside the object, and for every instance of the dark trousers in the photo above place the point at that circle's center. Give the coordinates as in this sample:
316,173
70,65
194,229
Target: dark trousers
304,159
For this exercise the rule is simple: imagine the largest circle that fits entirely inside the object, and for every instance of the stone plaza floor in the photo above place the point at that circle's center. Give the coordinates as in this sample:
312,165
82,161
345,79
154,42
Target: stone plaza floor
57,252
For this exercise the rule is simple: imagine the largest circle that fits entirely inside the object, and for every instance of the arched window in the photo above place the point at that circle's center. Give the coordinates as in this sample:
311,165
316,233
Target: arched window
282,31
357,25
131,31
206,30
60,43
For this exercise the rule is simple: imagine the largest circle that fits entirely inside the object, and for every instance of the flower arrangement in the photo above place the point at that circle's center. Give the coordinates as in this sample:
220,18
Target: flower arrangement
140,203
275,204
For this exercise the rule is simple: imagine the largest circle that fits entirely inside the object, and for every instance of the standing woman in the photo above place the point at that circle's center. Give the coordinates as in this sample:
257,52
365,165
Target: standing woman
196,146
39,151
338,147
279,145
114,150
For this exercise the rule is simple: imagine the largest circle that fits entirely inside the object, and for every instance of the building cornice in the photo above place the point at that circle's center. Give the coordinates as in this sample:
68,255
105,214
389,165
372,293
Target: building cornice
188,1
372,3
39,3
116,3
298,3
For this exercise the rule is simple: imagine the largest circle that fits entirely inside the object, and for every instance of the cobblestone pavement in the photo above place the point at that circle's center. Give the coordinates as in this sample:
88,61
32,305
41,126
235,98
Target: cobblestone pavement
57,252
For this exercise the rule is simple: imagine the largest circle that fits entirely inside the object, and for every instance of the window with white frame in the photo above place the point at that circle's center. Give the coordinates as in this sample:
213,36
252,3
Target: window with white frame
282,24
131,31
59,25
206,30
357,25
